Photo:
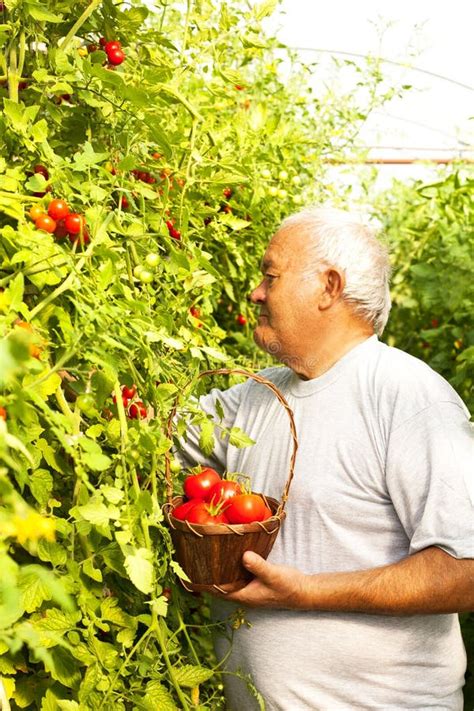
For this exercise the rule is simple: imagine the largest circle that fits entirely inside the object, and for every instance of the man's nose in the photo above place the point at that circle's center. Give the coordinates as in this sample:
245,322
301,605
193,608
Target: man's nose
257,296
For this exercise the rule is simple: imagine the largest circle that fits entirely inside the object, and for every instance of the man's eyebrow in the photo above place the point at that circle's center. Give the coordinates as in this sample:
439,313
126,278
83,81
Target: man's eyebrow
266,264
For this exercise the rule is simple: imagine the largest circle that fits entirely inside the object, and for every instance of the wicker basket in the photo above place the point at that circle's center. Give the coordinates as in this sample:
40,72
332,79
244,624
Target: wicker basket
211,555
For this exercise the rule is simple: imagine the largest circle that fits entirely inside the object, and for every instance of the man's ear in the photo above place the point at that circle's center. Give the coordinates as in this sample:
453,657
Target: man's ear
334,282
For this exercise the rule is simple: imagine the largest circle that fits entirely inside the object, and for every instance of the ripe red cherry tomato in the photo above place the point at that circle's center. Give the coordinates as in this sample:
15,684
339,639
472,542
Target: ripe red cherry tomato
58,209
224,491
112,45
137,410
60,232
42,170
3,413
181,511
241,320
201,513
129,392
74,223
246,508
116,57
45,222
197,486
102,41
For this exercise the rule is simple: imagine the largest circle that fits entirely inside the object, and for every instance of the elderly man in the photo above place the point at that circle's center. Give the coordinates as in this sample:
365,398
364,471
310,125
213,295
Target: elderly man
356,606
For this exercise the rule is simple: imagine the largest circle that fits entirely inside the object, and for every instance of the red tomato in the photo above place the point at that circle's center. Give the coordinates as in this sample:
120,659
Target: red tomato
42,170
246,508
60,232
46,223
129,392
197,486
111,46
102,41
116,57
58,209
181,511
3,413
241,320
74,223
201,513
137,410
224,491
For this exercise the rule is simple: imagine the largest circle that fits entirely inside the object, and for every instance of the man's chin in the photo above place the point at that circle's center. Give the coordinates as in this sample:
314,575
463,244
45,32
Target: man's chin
267,341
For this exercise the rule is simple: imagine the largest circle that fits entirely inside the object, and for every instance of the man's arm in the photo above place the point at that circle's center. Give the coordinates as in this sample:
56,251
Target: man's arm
428,582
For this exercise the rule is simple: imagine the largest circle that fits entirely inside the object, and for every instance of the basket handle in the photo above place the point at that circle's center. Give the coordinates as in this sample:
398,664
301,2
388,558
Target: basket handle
280,398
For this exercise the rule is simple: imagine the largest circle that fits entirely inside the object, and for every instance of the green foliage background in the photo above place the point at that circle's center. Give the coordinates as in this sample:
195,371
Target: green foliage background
224,121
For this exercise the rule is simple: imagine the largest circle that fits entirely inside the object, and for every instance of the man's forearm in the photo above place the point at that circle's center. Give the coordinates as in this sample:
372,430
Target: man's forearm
427,582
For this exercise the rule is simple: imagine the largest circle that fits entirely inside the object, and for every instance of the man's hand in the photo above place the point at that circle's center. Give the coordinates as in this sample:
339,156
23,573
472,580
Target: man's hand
274,585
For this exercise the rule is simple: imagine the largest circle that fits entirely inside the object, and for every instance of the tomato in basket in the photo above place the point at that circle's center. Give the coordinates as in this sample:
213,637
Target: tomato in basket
247,508
198,486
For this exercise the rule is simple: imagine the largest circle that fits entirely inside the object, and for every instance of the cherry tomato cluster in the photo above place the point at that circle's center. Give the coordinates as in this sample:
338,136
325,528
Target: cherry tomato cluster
60,221
213,500
144,176
113,50
135,409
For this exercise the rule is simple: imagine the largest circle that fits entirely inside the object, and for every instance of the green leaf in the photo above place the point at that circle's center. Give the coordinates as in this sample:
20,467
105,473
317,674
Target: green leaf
91,572
98,462
191,676
33,591
51,552
264,9
140,569
238,438
38,12
206,437
157,697
96,512
63,668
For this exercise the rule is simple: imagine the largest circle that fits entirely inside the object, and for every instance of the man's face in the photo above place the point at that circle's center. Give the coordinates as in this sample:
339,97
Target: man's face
287,297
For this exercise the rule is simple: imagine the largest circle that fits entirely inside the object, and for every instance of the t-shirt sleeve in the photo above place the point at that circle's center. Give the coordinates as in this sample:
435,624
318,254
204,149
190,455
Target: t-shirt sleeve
430,479
189,451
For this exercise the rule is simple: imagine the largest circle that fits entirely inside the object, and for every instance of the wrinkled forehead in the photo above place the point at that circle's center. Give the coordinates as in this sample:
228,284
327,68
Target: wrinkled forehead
287,249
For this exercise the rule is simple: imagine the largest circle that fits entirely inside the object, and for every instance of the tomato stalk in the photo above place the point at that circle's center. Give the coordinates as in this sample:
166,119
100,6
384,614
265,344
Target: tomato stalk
13,76
186,27
157,627
66,410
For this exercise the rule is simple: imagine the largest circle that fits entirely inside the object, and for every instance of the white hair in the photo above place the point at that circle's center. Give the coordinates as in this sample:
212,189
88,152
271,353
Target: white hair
342,240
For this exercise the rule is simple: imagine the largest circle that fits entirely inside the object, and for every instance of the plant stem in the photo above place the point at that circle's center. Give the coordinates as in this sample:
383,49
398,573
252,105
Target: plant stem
157,627
79,22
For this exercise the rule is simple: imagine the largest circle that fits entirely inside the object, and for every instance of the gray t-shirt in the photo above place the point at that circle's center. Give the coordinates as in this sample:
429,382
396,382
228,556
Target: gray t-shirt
384,469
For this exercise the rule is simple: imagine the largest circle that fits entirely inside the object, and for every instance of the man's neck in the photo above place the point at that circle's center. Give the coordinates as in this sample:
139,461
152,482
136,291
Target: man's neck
318,360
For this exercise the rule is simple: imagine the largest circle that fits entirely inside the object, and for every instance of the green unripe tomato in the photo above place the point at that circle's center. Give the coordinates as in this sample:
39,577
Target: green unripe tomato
137,271
272,191
175,466
152,259
297,199
283,175
282,194
145,276
266,174
86,403
296,180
